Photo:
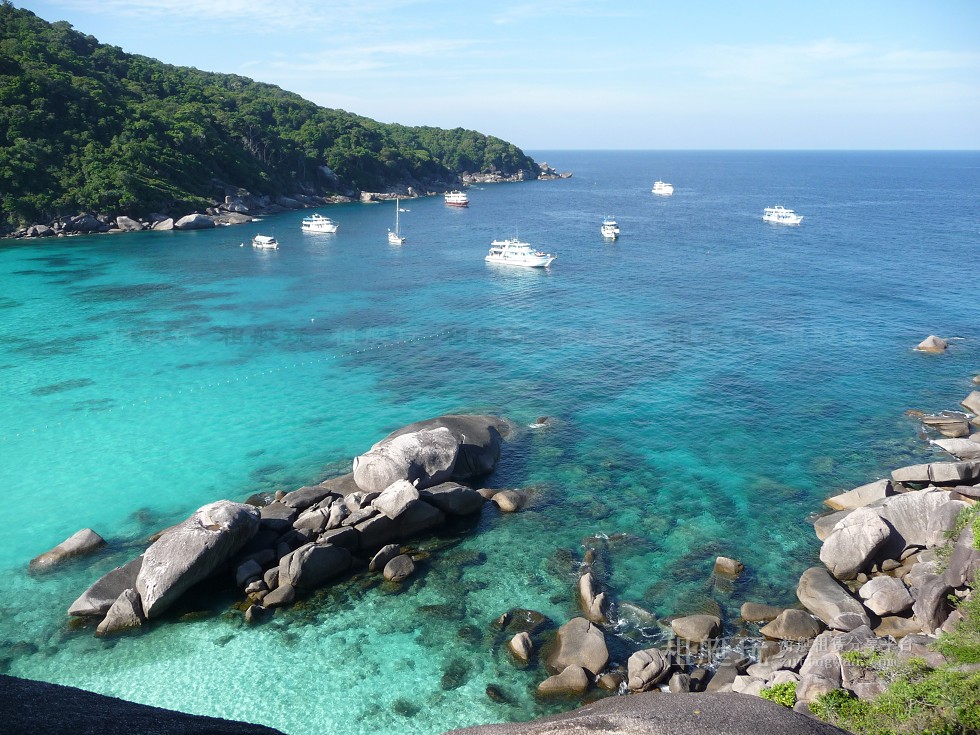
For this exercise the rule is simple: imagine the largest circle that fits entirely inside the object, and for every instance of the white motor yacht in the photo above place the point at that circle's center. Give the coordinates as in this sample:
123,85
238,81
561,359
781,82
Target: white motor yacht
318,223
662,188
457,198
515,252
266,242
610,228
781,216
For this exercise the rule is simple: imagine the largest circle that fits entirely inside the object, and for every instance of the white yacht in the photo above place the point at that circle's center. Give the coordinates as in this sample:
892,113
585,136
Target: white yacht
266,242
663,188
515,252
457,199
610,228
396,238
781,216
318,223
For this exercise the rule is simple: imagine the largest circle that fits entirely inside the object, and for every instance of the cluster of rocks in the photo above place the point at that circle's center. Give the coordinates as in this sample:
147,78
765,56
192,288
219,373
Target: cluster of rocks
404,485
234,210
548,173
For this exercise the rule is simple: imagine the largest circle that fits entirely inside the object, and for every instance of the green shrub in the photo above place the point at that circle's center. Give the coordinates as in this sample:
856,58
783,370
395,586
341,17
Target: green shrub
784,694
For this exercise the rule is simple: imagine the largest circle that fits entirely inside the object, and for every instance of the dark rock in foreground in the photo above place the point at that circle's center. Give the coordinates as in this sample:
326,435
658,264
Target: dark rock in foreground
37,707
678,714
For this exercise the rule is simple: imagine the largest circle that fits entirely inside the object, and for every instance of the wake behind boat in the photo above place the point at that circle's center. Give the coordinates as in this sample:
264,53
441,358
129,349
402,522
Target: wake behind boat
781,216
318,223
457,199
515,252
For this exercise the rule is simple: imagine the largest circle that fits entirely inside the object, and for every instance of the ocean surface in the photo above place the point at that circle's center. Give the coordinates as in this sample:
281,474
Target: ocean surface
709,379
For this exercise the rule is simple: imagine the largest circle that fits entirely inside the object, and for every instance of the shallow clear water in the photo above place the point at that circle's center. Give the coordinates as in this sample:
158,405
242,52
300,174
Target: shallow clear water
710,378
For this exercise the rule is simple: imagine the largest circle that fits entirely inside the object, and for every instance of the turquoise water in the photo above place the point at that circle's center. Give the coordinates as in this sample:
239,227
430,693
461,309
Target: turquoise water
710,379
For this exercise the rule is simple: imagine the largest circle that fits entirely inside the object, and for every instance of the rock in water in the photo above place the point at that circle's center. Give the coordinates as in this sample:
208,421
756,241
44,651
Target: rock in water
697,628
822,595
580,643
851,546
728,567
396,498
193,551
399,569
126,614
646,669
972,402
311,565
521,646
479,439
80,543
932,343
194,222
572,681
793,625
423,458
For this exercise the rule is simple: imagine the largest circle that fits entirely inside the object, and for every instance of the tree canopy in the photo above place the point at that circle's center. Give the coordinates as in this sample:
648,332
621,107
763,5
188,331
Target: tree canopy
85,126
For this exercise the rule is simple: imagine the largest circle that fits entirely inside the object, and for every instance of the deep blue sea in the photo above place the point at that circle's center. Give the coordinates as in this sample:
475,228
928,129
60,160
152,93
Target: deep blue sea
709,379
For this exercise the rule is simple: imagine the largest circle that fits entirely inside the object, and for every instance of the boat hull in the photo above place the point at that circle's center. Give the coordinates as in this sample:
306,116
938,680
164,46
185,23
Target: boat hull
522,262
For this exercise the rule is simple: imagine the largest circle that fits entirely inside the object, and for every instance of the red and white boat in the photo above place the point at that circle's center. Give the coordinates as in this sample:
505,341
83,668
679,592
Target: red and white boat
457,199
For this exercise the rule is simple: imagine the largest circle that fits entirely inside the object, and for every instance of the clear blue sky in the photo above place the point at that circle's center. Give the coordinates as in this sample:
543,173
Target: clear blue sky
545,74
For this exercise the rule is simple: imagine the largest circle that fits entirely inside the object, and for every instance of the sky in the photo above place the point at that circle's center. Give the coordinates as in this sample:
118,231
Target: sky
567,74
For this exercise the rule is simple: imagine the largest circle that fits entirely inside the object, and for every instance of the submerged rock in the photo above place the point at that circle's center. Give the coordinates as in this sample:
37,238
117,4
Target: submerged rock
80,543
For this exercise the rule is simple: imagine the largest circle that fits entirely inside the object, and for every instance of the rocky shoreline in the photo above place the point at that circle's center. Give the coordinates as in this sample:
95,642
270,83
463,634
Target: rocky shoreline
242,208
892,558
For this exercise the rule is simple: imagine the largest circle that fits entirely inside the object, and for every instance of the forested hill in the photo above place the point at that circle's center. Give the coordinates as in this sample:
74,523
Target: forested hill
87,127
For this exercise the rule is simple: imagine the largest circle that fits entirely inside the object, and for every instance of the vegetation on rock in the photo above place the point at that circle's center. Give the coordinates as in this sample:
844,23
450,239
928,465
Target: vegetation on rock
85,126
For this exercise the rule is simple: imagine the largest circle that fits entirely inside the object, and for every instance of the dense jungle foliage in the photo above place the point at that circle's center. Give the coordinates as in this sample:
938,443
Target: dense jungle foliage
87,127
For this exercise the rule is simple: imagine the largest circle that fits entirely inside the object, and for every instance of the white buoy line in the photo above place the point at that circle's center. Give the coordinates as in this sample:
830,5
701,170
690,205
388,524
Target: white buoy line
228,381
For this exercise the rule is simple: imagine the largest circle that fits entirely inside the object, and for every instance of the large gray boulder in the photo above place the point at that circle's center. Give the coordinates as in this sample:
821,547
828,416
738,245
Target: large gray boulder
860,496
424,458
126,614
697,628
578,643
920,518
646,669
193,222
793,625
379,530
885,596
950,426
972,402
79,543
97,599
128,224
572,681
962,449
396,498
939,473
457,500
306,496
192,551
961,569
312,564
593,604
851,546
820,672
479,439
932,343
823,595
653,713
931,606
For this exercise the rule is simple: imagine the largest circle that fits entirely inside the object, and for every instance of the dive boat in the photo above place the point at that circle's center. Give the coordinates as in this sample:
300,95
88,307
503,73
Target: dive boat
515,252
266,242
781,216
395,238
610,228
457,198
318,223
662,188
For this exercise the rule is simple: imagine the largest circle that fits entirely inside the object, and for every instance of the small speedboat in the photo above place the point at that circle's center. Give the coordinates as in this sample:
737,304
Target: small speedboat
662,188
265,242
781,216
515,252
